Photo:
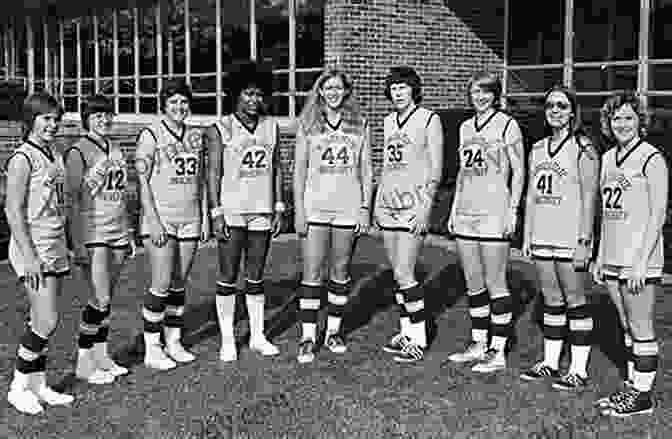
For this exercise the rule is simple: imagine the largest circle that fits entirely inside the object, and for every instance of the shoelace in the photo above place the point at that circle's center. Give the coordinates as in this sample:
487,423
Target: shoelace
400,339
413,350
542,369
573,379
627,401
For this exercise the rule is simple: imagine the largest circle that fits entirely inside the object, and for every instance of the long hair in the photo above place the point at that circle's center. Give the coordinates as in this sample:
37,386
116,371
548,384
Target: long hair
36,104
576,122
616,101
312,118
488,81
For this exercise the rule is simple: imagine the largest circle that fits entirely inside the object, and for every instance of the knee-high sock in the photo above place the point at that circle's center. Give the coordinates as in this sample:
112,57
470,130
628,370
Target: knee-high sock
580,338
337,299
500,319
646,363
555,332
479,312
310,296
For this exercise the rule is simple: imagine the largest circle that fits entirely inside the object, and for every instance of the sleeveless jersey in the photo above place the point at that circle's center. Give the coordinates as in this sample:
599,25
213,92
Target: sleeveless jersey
406,162
555,190
103,204
333,180
625,206
45,194
177,172
484,169
247,164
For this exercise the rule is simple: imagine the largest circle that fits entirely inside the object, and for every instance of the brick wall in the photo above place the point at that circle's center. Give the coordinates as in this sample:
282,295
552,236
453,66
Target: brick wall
445,41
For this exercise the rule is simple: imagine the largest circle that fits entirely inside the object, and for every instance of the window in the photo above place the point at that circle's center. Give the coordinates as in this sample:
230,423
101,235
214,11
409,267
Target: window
605,30
536,41
137,49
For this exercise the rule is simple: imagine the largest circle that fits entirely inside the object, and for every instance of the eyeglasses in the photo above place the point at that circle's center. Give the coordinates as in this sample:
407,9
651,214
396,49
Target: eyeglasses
556,104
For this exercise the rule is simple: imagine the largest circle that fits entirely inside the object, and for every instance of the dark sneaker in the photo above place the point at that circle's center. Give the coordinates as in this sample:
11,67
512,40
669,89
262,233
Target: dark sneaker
335,343
396,344
306,351
571,382
540,371
634,403
616,397
411,353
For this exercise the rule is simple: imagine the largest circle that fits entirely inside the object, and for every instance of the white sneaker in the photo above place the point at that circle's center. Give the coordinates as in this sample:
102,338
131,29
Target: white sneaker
24,400
178,353
264,347
87,369
474,351
174,346
156,358
228,352
106,363
52,397
306,351
492,361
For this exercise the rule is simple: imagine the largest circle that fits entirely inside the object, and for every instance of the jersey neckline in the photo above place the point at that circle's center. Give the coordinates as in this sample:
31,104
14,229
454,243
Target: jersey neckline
619,162
46,151
487,121
552,154
105,148
400,124
179,138
247,128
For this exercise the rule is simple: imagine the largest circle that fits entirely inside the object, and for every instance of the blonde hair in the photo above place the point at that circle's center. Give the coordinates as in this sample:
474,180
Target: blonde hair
312,118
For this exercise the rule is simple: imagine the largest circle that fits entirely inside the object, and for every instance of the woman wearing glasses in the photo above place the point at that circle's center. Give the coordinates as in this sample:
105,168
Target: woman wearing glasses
563,179
99,230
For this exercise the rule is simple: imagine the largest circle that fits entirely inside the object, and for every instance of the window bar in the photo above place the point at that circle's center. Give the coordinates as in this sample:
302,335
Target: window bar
115,59
643,66
61,58
78,55
253,31
292,58
158,34
187,42
568,68
171,47
30,54
96,54
505,73
45,59
218,57
14,56
136,60
5,49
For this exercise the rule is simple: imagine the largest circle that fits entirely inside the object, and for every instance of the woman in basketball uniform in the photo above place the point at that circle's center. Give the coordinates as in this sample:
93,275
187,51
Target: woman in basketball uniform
412,168
634,189
35,209
563,179
169,162
245,201
101,239
332,195
484,217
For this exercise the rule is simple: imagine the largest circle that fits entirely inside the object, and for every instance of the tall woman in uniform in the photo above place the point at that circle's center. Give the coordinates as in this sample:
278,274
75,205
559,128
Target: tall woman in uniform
245,201
101,239
563,179
412,167
634,189
484,216
35,209
169,162
332,195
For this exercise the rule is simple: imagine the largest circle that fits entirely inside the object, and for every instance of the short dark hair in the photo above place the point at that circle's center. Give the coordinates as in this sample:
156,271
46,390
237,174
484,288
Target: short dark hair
35,104
247,74
404,75
95,104
174,87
